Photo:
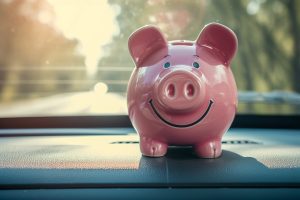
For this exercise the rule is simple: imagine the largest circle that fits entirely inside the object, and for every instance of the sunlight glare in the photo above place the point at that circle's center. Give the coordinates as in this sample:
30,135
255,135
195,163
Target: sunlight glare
92,23
100,88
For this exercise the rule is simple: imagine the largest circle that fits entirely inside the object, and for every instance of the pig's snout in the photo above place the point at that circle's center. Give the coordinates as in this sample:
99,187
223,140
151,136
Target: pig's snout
180,91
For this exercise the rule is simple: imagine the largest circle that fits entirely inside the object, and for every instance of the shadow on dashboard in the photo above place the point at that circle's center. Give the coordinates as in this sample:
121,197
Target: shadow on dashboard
183,167
185,158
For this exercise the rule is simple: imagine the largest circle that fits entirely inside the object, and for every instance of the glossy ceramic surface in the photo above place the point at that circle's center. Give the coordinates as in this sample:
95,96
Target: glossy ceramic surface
182,92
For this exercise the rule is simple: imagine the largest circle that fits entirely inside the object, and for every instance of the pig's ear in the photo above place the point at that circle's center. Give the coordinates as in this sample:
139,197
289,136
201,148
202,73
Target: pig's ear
220,38
147,45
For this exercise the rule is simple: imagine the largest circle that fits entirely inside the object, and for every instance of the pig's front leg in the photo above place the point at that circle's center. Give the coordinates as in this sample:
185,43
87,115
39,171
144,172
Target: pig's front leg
210,149
152,148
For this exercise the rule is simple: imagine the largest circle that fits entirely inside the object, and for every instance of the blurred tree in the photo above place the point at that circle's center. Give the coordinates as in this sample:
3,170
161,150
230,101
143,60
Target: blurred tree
294,18
268,32
25,43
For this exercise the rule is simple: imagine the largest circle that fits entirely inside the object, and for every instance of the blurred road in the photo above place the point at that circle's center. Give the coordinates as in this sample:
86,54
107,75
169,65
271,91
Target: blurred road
99,103
83,103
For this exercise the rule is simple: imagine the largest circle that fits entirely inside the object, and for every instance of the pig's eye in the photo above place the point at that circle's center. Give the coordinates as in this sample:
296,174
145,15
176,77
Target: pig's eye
167,65
196,65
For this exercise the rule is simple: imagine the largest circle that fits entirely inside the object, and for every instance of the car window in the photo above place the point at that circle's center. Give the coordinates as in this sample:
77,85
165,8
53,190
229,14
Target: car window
70,57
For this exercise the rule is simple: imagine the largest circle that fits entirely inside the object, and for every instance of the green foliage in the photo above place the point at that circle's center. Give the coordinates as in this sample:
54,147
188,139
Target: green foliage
265,60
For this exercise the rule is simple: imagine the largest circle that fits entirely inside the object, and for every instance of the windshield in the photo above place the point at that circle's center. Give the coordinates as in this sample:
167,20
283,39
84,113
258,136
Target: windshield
70,57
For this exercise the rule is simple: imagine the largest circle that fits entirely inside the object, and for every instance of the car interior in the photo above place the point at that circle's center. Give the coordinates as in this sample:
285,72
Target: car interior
64,128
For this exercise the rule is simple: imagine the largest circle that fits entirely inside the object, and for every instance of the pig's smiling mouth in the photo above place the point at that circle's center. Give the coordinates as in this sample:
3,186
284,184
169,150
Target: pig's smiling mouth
182,125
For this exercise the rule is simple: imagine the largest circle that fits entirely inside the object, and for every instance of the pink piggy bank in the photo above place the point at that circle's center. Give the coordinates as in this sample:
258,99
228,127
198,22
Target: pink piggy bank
182,92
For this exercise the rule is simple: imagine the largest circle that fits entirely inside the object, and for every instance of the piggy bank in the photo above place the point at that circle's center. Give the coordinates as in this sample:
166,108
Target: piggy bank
182,92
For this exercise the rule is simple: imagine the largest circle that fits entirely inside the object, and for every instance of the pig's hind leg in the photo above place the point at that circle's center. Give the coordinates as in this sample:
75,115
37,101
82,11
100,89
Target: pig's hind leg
210,149
152,148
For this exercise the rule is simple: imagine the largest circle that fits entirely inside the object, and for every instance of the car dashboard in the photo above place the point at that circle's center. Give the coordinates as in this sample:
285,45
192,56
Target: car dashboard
93,163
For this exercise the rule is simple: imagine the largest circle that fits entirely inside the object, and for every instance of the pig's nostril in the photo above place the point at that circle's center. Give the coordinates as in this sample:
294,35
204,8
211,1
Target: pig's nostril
170,90
189,90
